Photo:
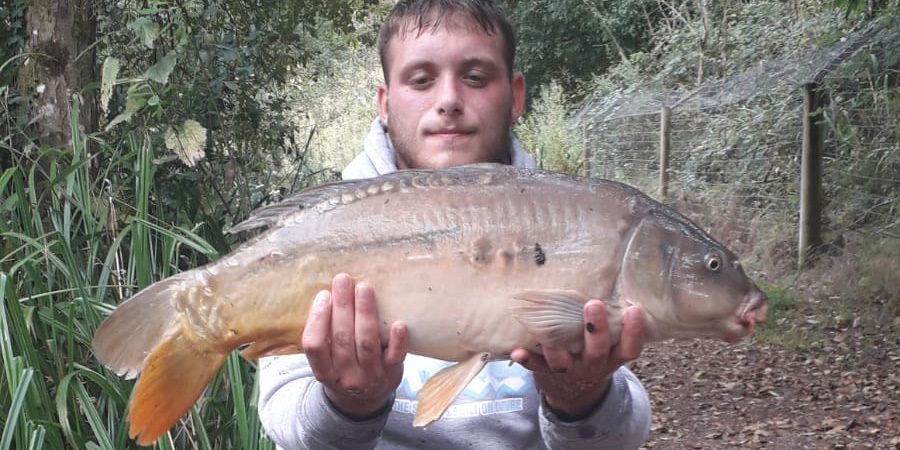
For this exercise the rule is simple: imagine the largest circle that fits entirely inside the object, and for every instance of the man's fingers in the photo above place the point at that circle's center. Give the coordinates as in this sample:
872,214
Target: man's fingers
397,345
368,339
529,360
632,341
596,332
343,341
316,334
558,359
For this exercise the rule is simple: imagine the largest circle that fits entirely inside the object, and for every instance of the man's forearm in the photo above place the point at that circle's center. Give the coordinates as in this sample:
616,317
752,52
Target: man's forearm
571,402
297,414
621,420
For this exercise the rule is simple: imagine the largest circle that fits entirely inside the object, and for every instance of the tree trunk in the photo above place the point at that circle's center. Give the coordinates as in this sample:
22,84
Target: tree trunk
723,34
703,6
60,64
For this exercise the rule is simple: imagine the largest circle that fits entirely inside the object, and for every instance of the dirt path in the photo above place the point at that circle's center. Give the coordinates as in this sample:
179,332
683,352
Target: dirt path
709,395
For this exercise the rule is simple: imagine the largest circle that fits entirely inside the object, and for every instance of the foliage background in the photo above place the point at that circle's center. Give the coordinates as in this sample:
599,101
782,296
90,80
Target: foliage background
212,108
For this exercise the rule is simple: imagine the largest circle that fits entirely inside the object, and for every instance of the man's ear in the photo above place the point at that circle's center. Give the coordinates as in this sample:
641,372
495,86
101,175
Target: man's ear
518,95
383,103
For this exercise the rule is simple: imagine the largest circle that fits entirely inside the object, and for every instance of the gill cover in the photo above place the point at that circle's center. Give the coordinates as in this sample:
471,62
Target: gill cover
684,278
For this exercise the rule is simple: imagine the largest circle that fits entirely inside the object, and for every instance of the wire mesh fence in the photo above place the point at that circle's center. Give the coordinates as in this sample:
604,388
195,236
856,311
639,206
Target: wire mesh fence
738,141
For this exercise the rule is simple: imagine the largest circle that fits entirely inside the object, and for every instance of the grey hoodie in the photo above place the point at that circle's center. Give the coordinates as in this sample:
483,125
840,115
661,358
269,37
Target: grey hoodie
500,409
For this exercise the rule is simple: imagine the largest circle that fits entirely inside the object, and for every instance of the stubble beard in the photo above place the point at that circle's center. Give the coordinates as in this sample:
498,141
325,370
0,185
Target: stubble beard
408,157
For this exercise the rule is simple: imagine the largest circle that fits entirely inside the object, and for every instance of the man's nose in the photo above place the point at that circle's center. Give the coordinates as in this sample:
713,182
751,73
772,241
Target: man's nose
450,97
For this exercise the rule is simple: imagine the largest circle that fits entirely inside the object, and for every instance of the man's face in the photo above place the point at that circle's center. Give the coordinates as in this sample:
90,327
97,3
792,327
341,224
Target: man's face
449,99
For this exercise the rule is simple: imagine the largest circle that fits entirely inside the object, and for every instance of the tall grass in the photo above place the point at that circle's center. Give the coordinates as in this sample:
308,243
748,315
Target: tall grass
78,234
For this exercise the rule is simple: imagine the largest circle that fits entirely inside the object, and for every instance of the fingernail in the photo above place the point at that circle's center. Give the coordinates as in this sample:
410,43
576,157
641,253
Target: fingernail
321,299
363,289
341,281
635,316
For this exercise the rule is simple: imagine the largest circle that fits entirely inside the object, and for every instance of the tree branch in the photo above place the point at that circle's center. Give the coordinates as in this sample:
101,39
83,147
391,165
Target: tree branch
609,34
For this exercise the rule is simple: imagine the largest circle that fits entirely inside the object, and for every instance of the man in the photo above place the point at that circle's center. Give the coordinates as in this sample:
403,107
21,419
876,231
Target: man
450,97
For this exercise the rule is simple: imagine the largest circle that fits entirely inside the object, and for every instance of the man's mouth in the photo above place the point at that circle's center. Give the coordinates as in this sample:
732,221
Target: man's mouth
449,132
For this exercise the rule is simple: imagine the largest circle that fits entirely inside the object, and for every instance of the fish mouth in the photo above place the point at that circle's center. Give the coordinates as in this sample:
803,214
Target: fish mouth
757,307
754,310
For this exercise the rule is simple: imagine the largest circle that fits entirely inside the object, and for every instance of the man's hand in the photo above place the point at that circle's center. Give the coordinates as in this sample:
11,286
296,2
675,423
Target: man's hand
574,385
344,348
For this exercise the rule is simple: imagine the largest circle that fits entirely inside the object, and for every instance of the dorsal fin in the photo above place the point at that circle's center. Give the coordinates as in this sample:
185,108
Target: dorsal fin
329,195
307,198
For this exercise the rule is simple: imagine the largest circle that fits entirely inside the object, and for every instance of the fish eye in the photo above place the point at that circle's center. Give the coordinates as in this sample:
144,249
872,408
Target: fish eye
713,262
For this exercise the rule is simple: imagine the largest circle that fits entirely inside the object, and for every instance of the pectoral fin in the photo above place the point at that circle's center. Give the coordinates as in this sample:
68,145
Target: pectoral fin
443,387
551,316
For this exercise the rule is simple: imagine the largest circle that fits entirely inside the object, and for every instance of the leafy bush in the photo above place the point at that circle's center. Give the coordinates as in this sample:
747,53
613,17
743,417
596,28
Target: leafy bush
72,249
546,132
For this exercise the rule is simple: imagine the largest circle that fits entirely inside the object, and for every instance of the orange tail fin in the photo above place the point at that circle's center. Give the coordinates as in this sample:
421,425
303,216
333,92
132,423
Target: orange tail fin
174,377
144,335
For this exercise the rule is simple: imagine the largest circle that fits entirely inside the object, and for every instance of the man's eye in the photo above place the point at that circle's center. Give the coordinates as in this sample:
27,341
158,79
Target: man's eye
476,80
420,81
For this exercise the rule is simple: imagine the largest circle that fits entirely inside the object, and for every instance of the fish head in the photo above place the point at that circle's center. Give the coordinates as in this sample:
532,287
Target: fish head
688,284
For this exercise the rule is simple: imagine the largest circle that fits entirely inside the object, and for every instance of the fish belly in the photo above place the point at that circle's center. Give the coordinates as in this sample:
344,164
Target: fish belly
455,304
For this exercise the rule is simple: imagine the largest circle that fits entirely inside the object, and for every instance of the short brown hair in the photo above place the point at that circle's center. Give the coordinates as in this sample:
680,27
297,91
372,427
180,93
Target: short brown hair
428,15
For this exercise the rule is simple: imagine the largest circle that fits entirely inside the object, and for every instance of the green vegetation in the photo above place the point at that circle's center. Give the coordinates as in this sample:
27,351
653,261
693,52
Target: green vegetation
548,134
568,42
74,245
209,112
732,76
782,302
783,313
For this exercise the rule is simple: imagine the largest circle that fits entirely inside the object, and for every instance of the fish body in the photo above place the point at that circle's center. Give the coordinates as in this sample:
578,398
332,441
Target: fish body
477,260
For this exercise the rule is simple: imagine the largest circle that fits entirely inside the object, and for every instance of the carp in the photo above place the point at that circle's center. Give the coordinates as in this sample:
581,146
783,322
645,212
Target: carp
477,260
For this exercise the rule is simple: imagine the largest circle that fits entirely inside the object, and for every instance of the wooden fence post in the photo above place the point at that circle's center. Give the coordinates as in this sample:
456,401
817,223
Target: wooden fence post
665,143
810,175
588,153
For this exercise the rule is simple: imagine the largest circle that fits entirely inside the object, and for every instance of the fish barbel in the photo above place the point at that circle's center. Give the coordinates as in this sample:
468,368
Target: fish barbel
477,260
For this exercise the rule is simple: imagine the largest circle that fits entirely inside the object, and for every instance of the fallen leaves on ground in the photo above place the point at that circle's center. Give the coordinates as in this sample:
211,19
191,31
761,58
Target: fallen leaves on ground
709,395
